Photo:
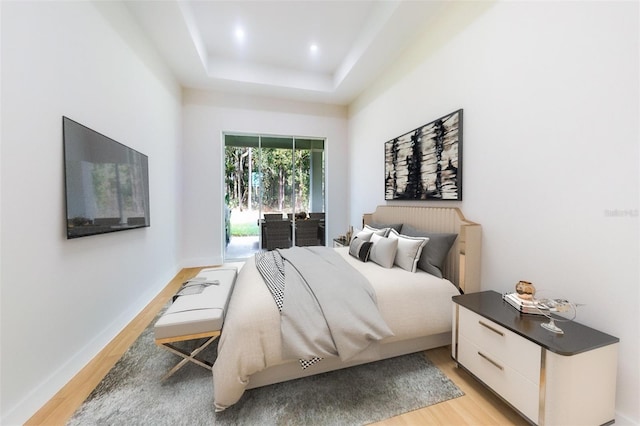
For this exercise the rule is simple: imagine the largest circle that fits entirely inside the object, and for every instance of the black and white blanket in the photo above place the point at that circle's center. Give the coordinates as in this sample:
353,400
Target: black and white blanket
327,308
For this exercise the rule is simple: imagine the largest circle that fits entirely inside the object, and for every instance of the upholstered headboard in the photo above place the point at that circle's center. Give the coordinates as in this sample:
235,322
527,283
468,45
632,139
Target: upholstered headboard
462,266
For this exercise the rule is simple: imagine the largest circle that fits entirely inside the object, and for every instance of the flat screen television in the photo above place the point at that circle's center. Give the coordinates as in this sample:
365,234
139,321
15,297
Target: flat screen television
106,183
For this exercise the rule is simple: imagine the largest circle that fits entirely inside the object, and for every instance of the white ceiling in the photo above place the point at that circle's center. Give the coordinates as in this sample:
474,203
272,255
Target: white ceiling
356,40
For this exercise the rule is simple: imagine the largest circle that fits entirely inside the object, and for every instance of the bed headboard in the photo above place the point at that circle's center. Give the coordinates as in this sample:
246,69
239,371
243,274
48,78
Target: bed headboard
462,266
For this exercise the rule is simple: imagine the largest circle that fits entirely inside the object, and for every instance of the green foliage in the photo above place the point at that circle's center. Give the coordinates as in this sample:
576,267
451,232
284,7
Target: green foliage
244,229
274,169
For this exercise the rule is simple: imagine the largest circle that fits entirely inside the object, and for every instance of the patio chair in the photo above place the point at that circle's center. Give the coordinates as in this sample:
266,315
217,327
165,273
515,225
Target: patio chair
307,232
277,234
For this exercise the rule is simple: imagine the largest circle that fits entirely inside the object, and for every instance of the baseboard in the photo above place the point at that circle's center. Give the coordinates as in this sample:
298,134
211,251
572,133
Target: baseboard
52,384
622,420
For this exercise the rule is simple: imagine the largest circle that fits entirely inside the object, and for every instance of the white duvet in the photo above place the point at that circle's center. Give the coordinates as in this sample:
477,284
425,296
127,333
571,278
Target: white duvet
412,304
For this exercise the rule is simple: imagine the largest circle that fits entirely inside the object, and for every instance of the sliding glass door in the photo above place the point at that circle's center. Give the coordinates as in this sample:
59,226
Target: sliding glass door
272,175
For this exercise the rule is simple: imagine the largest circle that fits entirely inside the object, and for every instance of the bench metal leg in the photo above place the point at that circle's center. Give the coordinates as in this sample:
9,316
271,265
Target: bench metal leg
188,356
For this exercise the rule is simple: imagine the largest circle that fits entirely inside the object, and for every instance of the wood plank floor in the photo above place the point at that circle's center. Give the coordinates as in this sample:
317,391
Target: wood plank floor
478,406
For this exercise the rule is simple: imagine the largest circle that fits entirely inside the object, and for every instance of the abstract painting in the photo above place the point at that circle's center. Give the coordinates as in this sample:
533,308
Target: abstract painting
426,163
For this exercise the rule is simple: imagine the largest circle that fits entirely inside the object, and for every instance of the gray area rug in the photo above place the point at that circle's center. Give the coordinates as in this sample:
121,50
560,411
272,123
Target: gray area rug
133,393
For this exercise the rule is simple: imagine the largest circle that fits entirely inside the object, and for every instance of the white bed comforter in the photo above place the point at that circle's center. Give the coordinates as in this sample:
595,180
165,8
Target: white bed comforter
412,304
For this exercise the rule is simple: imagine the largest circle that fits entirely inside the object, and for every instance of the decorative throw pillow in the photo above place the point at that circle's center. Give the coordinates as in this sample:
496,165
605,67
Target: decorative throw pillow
360,248
409,250
435,252
383,250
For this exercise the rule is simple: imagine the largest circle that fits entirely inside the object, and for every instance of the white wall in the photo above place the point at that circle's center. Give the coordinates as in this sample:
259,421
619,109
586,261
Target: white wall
63,300
206,116
550,97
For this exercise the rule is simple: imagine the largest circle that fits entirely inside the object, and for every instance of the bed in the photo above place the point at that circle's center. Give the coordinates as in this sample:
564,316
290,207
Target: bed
415,305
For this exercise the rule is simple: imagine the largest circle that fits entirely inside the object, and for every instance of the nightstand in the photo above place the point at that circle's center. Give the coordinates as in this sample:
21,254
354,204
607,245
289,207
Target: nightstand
339,242
553,379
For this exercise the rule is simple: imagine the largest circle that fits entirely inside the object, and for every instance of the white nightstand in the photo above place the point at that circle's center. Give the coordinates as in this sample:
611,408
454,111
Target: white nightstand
552,379
338,242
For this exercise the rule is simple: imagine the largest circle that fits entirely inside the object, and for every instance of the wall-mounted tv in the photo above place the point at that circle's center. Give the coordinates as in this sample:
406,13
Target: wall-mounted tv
106,183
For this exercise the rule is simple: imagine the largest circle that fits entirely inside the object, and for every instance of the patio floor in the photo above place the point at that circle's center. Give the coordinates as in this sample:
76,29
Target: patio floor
241,248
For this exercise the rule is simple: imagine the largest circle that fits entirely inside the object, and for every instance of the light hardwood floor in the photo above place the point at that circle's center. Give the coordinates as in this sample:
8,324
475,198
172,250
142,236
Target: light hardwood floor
478,406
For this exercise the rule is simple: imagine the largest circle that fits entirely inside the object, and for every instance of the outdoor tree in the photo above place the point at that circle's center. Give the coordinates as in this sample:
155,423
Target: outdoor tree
276,177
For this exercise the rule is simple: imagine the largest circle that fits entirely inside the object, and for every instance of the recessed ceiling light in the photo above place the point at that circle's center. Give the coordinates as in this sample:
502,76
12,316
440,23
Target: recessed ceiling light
239,34
313,48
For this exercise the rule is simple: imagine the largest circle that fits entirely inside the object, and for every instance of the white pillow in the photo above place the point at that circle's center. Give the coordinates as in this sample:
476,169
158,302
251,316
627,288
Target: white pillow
409,250
380,231
383,250
366,233
361,234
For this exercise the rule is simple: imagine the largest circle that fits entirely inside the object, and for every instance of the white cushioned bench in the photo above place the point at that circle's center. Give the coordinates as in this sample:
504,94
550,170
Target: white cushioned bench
196,316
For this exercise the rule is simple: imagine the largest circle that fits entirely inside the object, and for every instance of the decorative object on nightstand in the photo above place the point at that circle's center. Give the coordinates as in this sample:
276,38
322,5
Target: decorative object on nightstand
549,378
349,235
523,306
548,306
525,290
524,301
341,241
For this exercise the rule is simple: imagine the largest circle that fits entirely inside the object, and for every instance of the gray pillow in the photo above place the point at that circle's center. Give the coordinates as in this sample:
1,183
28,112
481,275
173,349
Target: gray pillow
383,251
436,250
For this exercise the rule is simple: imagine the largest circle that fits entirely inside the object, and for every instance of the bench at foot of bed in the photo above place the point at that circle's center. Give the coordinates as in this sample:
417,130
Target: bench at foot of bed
197,313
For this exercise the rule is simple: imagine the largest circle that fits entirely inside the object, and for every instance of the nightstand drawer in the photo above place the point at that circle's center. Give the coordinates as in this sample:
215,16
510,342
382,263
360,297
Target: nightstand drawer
501,344
500,377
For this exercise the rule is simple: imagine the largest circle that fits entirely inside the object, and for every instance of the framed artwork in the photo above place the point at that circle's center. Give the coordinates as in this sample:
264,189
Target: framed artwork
426,163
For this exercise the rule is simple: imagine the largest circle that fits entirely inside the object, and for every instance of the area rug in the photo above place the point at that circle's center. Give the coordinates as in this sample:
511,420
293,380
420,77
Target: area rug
133,393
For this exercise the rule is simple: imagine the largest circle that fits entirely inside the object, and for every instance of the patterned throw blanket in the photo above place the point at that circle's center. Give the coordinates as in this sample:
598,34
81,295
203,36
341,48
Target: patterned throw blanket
327,308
